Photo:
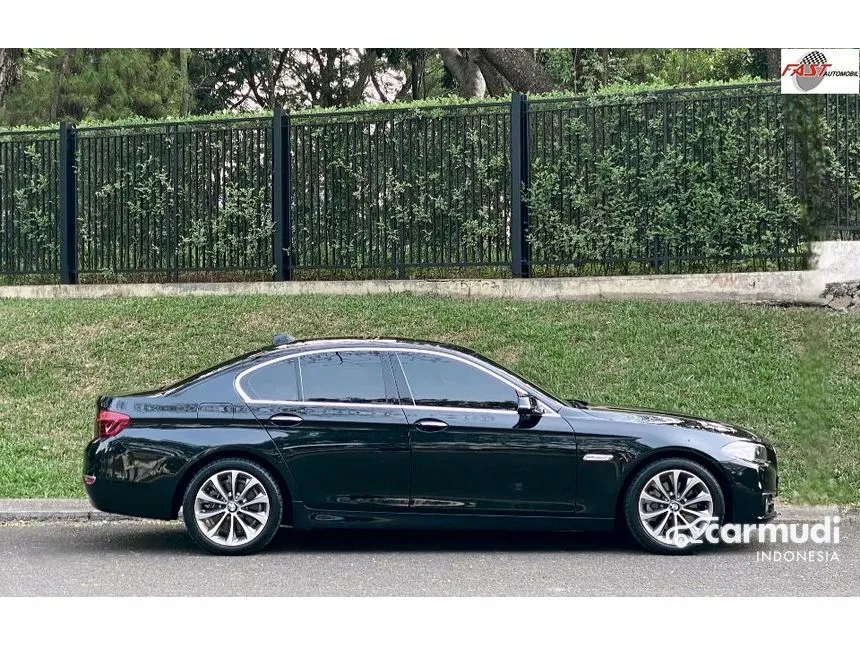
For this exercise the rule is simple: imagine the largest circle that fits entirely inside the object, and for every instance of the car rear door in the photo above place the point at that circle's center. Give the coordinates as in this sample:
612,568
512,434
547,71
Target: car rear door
472,452
334,416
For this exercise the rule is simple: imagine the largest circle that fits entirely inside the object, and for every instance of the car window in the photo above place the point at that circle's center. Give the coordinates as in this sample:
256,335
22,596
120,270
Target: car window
446,382
344,377
274,382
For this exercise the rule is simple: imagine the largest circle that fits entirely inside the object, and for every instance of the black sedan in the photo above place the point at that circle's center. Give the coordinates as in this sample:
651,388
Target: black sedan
393,433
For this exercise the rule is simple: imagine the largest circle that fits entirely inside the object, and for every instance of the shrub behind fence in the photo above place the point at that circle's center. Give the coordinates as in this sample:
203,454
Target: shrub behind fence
694,180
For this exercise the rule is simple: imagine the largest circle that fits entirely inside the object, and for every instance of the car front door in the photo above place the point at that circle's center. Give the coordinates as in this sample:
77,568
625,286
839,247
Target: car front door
335,419
472,452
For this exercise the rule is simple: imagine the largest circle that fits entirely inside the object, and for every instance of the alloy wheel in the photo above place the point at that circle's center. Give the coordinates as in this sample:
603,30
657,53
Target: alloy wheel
675,507
231,508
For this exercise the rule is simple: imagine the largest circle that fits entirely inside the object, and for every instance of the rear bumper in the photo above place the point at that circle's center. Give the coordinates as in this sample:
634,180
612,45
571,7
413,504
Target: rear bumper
116,484
142,471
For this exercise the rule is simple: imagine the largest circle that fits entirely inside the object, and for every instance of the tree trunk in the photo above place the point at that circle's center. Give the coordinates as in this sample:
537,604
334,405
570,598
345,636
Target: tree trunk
495,82
60,74
10,68
774,64
185,90
415,80
604,57
574,69
520,69
366,72
463,66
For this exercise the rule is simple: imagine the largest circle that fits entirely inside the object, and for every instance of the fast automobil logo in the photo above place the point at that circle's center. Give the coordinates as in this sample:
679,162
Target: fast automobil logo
820,71
809,71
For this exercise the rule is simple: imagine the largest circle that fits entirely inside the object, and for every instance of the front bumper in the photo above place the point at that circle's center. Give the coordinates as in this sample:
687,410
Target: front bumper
754,488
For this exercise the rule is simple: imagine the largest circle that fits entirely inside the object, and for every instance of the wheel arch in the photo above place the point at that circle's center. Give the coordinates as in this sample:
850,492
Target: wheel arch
701,458
257,458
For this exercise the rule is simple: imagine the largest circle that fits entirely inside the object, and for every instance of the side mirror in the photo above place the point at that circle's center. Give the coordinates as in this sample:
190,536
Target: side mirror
528,405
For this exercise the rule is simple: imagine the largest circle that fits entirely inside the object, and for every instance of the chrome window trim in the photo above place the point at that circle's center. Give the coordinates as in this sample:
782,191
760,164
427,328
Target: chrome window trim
405,378
237,385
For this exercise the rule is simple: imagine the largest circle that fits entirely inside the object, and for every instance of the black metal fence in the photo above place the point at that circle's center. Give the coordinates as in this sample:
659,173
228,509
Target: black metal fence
29,203
396,190
174,199
692,180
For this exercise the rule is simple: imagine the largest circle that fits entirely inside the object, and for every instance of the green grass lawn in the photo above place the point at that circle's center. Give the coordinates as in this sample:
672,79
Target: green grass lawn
793,374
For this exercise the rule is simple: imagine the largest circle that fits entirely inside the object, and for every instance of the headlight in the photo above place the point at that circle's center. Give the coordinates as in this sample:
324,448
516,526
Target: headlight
746,450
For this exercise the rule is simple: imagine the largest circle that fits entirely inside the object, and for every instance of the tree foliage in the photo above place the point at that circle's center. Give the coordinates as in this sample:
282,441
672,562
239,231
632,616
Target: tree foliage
79,84
587,70
263,78
39,86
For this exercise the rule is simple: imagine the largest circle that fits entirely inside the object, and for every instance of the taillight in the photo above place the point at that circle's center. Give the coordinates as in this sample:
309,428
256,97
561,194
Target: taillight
110,423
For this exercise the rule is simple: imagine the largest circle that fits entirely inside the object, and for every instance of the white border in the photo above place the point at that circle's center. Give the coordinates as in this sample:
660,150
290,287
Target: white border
420,621
392,23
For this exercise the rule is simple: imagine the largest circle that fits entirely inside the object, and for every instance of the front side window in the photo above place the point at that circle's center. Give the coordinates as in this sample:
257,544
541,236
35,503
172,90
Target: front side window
446,382
343,377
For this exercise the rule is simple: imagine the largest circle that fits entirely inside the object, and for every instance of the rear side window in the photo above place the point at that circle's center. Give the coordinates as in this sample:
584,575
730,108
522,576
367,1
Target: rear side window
275,382
446,382
343,377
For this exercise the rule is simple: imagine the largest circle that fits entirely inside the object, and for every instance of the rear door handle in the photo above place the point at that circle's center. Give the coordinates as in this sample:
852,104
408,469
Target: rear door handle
285,419
430,425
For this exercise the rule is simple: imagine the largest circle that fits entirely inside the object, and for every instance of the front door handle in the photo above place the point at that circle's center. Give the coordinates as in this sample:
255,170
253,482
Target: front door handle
430,425
285,419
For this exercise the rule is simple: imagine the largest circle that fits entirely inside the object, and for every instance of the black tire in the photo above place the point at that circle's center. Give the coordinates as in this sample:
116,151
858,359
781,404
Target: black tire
266,530
640,481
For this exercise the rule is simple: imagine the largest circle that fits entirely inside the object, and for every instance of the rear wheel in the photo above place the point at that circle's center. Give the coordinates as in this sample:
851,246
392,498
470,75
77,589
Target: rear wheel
232,507
670,505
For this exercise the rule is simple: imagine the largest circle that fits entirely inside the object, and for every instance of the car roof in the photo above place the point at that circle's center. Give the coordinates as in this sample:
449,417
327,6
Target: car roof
287,346
375,342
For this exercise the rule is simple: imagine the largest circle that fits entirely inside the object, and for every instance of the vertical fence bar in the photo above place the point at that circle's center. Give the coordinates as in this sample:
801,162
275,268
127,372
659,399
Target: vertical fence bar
68,205
520,250
281,195
172,223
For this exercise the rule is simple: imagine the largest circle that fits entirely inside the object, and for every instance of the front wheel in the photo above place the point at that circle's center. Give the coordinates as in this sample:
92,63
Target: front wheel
670,505
232,507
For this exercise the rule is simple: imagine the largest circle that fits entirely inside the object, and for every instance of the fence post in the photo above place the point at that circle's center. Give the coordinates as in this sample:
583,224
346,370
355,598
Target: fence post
171,220
68,228
282,195
665,121
520,250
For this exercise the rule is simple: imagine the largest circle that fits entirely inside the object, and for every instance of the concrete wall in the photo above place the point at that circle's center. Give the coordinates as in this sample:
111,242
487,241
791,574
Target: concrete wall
832,262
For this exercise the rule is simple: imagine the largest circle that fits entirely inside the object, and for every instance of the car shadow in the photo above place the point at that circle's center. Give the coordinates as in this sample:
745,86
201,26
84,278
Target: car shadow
171,537
391,540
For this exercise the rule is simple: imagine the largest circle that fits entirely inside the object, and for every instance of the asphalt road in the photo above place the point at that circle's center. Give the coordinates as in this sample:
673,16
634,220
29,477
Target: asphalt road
155,558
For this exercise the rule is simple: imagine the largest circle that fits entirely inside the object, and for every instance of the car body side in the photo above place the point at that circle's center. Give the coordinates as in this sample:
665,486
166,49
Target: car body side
567,472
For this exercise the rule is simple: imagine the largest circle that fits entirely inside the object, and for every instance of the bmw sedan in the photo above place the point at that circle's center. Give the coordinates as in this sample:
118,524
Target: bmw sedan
393,433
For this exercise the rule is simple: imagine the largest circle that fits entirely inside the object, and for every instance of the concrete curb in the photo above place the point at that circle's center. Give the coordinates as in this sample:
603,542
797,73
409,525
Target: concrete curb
798,513
54,510
80,510
833,261
798,287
